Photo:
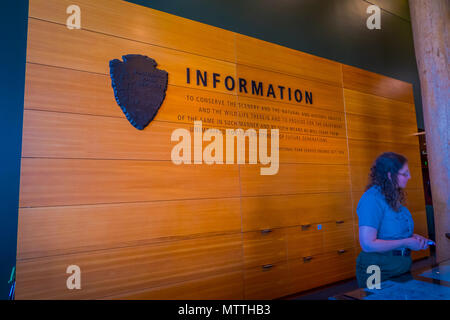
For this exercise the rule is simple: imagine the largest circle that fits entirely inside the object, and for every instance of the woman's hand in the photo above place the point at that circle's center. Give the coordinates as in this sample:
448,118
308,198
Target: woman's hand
418,236
369,242
416,243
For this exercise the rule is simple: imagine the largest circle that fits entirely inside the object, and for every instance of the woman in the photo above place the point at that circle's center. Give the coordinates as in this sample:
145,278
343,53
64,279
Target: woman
385,225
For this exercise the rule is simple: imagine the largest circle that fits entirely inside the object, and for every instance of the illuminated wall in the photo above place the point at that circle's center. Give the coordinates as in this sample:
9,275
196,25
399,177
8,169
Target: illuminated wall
100,194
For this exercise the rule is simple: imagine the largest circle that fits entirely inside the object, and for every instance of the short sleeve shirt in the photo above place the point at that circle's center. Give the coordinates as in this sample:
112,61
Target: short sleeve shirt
375,212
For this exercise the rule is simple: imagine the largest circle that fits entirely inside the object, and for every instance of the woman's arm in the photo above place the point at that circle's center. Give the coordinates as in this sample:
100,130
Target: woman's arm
369,242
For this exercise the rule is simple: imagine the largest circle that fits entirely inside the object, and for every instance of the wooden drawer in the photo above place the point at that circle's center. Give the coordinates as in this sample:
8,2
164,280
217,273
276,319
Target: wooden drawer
338,235
306,240
290,210
339,265
305,273
311,272
264,247
267,282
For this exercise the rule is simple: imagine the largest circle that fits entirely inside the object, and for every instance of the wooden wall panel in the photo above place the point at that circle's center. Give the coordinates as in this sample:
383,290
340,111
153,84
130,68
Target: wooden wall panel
415,200
376,84
115,181
63,90
420,223
228,286
149,26
365,104
370,128
363,151
65,135
112,272
293,178
71,229
70,91
258,53
56,45
100,194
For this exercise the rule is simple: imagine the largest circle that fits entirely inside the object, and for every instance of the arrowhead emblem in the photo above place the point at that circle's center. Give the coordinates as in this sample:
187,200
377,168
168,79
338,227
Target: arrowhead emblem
139,87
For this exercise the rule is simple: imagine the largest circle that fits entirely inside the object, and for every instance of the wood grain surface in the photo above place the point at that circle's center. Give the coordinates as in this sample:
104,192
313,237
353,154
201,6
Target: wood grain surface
111,272
116,181
97,193
71,229
376,84
265,212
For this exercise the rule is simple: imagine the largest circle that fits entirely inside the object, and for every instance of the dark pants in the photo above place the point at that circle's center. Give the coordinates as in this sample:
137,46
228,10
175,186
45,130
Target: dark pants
390,266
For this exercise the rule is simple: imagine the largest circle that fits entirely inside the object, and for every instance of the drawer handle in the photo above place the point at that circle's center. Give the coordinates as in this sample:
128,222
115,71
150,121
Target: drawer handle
306,259
339,221
306,226
342,251
266,231
267,267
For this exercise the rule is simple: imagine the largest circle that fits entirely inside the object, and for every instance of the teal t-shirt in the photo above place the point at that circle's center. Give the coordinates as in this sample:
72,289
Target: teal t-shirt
375,212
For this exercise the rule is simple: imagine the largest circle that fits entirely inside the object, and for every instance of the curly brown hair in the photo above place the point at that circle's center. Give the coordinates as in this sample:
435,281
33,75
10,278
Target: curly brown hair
385,163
